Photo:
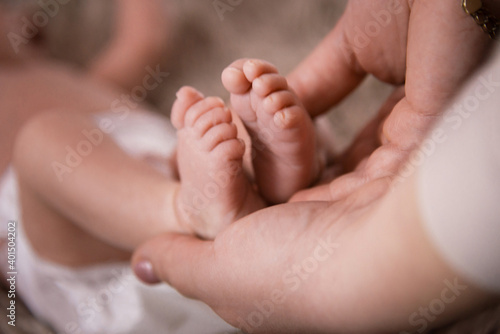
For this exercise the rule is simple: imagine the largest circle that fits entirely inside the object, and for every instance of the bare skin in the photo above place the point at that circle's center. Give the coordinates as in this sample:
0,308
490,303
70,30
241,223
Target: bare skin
409,49
385,265
30,70
214,189
282,133
84,231
218,194
72,95
325,267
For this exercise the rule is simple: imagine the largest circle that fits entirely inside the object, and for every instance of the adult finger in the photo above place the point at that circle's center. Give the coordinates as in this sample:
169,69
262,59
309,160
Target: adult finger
369,38
371,136
445,46
318,193
185,262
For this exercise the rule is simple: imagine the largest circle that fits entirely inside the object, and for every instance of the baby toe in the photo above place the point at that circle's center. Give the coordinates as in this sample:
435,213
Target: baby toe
277,101
186,98
289,117
200,108
218,134
234,80
269,83
254,68
228,150
210,119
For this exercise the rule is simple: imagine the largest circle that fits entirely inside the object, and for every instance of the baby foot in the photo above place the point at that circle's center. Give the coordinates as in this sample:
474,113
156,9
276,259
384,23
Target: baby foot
214,191
282,133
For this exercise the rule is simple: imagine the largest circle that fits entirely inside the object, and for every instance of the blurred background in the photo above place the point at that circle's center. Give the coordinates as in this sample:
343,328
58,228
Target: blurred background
204,40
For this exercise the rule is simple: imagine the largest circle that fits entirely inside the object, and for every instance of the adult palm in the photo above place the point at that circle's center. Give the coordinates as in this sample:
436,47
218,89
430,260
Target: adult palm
426,48
359,261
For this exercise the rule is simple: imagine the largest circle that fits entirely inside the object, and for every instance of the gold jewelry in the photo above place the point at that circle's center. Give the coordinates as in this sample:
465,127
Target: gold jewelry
483,17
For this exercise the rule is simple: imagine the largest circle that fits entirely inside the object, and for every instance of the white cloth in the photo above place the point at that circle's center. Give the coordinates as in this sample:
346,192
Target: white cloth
105,299
139,133
459,183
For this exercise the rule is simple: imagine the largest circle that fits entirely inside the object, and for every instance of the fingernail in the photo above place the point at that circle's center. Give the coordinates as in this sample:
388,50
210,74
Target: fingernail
144,271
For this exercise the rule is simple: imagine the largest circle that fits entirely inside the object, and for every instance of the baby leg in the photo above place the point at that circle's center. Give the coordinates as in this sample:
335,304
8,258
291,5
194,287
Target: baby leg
283,135
214,190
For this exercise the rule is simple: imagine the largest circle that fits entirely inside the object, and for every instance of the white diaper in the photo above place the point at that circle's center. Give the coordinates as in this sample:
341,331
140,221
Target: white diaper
104,298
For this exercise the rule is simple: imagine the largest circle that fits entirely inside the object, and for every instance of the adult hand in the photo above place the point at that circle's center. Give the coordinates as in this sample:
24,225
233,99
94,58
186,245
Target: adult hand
337,267
315,267
430,47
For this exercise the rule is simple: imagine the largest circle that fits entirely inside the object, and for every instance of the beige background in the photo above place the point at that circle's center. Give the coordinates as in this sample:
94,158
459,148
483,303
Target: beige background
281,31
